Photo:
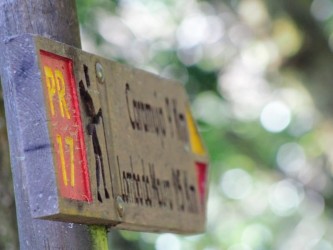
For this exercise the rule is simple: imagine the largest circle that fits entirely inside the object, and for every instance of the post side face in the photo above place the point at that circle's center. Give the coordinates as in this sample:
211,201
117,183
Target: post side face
34,150
124,148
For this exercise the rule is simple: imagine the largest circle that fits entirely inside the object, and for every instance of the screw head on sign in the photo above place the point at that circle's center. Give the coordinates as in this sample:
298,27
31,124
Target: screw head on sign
120,206
100,72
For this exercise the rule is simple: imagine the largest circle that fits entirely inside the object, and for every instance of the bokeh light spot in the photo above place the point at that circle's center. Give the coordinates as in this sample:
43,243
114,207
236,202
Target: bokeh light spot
257,235
291,158
167,242
284,198
322,9
240,246
186,37
236,184
275,117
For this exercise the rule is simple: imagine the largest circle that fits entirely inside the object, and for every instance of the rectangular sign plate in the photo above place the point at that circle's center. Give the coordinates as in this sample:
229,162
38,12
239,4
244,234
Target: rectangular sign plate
108,144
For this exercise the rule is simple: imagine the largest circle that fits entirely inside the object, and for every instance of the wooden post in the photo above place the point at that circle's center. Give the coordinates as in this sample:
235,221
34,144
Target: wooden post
57,20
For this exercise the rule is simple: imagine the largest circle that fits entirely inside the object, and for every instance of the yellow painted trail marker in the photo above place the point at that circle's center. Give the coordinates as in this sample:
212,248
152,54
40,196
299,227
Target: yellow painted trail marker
195,140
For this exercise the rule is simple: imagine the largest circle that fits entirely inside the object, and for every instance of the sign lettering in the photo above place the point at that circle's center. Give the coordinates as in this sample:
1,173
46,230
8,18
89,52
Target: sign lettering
122,146
65,127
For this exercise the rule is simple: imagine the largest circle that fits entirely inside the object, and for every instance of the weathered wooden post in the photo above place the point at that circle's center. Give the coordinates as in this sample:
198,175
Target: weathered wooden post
58,20
93,141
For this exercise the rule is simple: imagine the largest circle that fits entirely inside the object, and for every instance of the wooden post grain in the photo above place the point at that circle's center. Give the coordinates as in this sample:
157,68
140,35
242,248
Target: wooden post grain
56,20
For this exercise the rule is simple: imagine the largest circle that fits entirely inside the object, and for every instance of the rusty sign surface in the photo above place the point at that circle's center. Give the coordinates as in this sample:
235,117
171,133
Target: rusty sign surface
109,144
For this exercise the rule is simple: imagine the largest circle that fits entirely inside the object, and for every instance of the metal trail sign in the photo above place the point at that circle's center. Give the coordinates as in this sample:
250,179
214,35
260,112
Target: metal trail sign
105,143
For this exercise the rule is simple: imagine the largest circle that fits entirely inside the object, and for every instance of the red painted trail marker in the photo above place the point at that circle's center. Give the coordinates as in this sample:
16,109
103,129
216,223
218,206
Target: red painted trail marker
65,127
109,144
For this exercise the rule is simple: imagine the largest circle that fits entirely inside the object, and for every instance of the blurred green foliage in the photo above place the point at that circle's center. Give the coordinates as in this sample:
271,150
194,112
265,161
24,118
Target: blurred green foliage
259,76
